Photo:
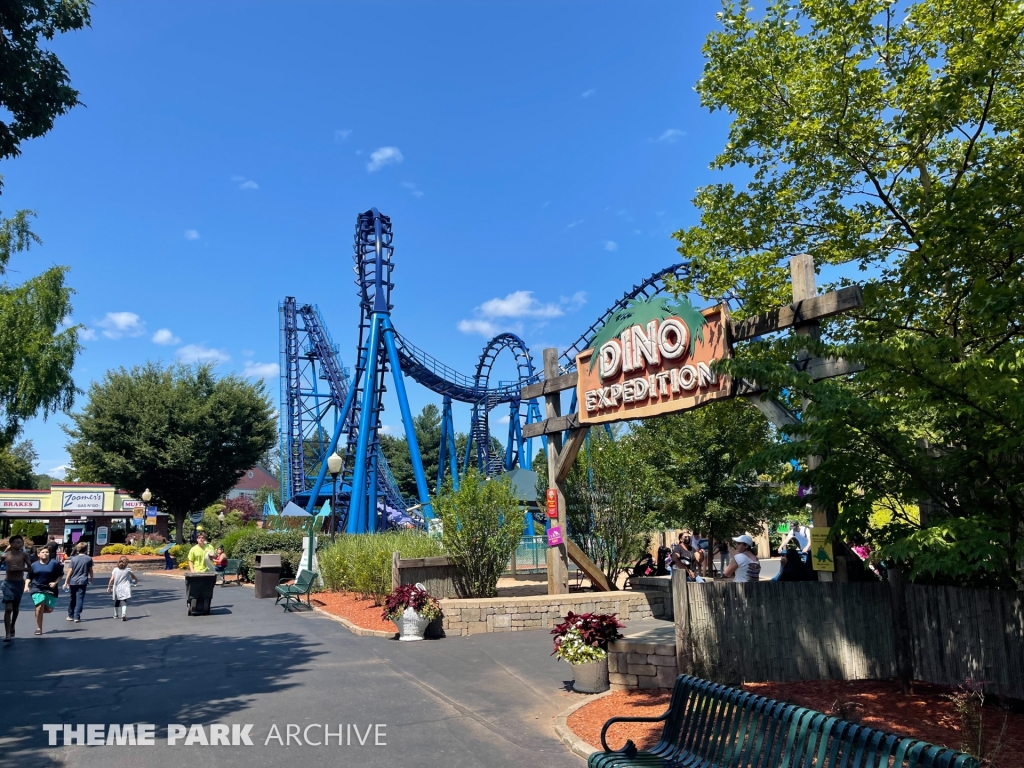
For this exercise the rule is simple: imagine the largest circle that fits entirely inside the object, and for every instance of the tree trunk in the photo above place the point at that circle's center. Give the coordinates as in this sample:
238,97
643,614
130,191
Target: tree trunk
179,527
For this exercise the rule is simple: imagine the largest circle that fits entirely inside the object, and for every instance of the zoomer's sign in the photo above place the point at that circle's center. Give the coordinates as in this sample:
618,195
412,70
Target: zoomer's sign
79,500
654,356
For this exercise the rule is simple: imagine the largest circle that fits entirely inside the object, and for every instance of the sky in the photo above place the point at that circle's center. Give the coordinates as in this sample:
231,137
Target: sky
534,158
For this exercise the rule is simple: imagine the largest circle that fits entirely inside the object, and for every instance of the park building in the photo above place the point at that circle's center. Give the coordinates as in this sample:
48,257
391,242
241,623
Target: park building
95,513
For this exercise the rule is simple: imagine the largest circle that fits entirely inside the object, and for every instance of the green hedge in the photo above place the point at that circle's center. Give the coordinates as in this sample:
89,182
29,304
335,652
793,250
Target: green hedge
255,541
362,562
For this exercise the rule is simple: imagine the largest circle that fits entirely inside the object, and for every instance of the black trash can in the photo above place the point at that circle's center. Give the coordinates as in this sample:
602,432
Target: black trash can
199,592
268,574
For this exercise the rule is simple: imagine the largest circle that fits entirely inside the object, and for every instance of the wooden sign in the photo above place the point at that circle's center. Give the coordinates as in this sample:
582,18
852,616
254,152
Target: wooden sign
655,357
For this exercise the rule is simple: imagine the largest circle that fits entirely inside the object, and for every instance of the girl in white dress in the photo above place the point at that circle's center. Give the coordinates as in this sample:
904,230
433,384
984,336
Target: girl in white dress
121,580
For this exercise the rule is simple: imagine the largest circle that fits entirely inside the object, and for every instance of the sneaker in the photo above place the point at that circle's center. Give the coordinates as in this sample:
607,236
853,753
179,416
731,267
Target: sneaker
71,618
116,617
78,621
124,618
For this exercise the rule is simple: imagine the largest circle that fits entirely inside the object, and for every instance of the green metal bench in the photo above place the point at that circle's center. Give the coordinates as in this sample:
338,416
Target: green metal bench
233,568
714,726
302,586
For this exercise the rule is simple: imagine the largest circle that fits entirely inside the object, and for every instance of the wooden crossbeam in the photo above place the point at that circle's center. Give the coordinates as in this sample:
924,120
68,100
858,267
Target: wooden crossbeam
597,578
555,424
568,455
814,308
548,386
817,367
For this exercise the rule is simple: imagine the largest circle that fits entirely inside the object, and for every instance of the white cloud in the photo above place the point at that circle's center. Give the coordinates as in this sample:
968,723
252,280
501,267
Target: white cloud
483,327
611,245
412,188
197,353
164,336
261,370
574,223
191,234
87,334
492,316
519,304
340,136
249,184
387,429
672,135
59,471
383,156
588,93
118,324
504,419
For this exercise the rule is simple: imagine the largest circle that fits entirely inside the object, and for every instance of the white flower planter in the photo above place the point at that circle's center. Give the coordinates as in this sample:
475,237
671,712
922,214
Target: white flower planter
411,627
591,677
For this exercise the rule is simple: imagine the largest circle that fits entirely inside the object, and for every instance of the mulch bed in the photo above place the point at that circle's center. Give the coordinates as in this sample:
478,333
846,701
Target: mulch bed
926,714
348,605
131,558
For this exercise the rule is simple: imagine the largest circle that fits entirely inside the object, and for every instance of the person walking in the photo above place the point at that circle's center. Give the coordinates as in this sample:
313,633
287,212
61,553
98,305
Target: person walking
16,565
120,586
44,577
77,579
200,556
744,566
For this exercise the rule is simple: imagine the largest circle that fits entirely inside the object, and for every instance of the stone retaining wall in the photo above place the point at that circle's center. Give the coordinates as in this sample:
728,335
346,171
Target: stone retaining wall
514,614
641,665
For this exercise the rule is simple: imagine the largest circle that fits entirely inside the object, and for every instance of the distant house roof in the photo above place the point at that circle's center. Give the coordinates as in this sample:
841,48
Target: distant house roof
255,479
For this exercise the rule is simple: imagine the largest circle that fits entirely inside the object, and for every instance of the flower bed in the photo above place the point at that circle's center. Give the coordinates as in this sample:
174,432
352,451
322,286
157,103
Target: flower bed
348,605
926,714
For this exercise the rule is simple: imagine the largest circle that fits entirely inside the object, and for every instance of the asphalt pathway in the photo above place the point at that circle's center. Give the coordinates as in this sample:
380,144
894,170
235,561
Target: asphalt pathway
486,700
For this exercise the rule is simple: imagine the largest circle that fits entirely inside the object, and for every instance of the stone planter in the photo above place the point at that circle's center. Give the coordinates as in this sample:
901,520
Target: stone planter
591,677
411,627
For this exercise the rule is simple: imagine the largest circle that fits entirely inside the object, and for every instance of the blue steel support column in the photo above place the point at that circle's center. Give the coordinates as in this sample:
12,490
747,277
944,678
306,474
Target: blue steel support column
371,501
357,505
410,432
442,455
346,408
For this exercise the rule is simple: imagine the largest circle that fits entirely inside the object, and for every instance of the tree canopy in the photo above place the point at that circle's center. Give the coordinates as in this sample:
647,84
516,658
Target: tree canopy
884,137
704,477
37,350
180,431
35,88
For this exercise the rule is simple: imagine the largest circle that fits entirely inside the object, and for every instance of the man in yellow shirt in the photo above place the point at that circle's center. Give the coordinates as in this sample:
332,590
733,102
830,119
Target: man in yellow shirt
199,555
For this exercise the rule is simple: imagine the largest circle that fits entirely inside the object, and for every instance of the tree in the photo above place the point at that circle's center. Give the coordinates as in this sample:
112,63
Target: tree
35,357
179,431
480,528
263,493
609,500
246,508
17,465
884,135
701,460
396,450
35,88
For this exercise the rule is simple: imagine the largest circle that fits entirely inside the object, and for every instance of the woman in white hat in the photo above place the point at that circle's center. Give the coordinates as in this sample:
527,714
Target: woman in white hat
744,564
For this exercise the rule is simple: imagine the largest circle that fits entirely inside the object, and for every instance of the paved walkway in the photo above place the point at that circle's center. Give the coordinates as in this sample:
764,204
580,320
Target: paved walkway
486,700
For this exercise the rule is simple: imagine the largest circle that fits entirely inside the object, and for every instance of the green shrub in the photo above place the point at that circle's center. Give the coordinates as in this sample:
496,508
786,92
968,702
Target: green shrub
481,527
362,562
180,553
231,538
30,531
256,541
147,551
127,550
113,549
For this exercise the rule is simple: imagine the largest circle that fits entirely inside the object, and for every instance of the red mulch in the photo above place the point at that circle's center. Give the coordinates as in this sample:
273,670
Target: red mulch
131,558
348,605
925,714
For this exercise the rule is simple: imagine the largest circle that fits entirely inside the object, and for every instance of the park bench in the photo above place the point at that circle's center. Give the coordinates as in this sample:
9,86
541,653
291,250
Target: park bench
302,586
715,726
234,568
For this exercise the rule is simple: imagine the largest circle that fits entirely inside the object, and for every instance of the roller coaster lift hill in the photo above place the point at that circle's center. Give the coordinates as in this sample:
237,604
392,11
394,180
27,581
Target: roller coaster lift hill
321,398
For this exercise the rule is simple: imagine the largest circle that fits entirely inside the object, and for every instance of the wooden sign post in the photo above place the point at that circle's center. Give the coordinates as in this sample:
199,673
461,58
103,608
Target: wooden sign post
658,359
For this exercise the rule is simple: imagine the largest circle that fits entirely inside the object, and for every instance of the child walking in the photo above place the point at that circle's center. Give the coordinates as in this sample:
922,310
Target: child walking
121,580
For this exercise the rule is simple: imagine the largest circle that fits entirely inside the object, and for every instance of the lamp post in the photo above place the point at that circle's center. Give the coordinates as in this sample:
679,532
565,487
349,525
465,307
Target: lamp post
146,496
334,467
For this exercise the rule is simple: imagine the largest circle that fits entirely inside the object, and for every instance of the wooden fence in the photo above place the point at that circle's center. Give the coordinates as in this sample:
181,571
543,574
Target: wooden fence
833,631
434,573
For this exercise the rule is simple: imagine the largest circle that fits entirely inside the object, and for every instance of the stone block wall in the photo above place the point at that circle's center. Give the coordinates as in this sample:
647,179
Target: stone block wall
641,665
515,614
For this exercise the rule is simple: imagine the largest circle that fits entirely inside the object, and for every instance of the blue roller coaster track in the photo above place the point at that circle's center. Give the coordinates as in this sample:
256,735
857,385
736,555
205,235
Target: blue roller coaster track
325,405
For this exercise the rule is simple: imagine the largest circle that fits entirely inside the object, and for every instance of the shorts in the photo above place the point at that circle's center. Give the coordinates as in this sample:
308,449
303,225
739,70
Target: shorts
12,590
41,598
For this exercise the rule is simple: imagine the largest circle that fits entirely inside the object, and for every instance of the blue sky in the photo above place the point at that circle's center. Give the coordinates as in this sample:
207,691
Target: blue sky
534,158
